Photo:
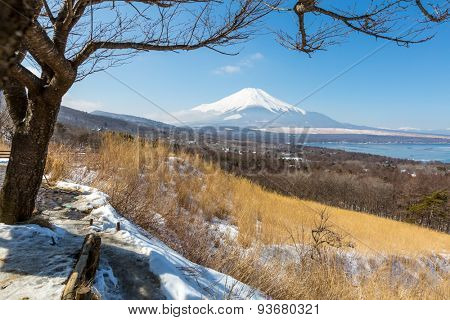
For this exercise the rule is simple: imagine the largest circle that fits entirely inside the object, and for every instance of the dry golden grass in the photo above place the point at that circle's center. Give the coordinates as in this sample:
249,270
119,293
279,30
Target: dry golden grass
386,235
143,179
281,215
59,161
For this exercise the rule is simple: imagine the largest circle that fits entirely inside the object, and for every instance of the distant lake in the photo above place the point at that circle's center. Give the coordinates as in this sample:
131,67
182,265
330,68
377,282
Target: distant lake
418,152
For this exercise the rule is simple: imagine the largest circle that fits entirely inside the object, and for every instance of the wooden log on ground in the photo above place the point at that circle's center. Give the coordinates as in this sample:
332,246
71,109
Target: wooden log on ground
79,284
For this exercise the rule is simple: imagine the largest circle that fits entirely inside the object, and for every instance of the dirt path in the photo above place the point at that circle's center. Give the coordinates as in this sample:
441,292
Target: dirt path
124,273
130,270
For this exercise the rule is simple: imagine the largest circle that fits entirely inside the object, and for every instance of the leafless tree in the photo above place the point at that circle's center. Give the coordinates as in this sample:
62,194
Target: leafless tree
71,39
324,23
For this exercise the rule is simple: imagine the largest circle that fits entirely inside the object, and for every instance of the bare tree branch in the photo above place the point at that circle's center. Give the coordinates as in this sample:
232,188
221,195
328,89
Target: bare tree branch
164,34
69,42
41,46
25,77
438,17
48,12
381,20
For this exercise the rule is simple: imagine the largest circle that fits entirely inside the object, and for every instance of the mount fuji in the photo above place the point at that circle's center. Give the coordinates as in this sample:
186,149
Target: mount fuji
251,107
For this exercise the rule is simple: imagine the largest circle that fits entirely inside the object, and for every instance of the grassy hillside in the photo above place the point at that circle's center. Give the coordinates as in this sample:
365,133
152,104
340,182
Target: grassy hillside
281,215
178,197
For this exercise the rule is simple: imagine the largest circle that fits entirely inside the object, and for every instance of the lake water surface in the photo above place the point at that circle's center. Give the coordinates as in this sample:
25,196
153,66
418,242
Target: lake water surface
418,152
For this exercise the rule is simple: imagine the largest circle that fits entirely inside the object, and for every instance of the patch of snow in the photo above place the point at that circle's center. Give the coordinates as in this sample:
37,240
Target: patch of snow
106,283
357,266
159,220
233,117
91,198
70,186
283,253
83,175
224,228
292,158
180,165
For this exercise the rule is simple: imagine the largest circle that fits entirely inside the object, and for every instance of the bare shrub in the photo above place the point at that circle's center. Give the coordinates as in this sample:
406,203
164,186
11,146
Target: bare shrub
324,236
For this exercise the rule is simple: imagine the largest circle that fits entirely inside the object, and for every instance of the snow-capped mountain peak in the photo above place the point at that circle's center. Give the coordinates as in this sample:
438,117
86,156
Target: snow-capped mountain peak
253,107
248,98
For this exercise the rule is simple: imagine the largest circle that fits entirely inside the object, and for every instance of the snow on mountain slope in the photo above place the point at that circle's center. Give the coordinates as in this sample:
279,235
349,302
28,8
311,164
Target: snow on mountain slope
251,107
257,109
245,98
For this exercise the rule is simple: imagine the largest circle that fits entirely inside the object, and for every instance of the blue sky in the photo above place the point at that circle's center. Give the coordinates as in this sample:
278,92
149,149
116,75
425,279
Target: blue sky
396,87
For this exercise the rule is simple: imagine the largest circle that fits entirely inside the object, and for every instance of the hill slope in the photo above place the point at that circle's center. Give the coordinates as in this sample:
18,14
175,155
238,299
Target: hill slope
109,121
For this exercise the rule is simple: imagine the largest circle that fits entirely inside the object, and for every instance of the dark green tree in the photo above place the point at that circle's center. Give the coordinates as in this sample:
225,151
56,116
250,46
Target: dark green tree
433,209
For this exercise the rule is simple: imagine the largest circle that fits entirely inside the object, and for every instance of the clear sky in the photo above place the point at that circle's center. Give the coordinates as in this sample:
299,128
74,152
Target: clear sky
396,87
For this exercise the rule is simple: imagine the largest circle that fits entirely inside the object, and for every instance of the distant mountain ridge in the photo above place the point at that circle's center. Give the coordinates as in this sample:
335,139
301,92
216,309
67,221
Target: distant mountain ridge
133,119
100,120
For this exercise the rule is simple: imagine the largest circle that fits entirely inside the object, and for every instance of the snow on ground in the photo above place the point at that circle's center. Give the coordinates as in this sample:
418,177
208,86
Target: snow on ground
35,261
182,166
179,278
357,265
224,228
82,174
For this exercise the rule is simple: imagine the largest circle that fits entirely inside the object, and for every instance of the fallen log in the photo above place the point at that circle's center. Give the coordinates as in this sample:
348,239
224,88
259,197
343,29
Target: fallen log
79,284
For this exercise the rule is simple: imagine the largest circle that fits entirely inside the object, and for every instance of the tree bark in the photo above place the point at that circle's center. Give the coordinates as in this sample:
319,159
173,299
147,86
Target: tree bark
15,18
28,156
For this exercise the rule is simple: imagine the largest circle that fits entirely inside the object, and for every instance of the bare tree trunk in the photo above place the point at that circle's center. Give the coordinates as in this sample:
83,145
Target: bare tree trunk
28,155
15,17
